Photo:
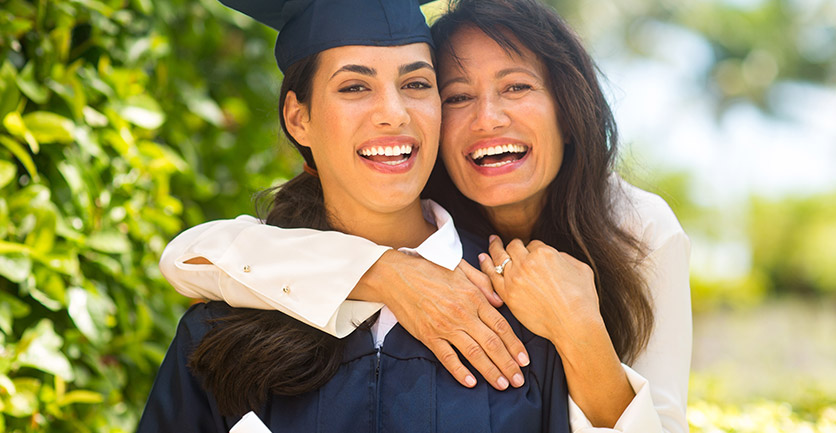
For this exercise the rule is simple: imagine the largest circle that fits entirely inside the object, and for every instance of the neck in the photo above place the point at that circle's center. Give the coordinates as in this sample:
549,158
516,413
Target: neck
403,228
516,220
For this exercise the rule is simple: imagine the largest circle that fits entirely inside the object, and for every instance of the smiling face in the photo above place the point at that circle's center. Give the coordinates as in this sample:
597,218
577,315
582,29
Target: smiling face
501,141
372,124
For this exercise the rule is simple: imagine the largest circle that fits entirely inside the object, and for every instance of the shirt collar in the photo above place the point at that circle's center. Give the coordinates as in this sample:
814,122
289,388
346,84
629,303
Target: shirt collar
443,247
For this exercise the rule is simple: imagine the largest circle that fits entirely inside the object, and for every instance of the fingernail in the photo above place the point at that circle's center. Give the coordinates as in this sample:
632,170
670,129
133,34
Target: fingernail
496,297
502,382
483,257
523,358
518,380
492,238
470,380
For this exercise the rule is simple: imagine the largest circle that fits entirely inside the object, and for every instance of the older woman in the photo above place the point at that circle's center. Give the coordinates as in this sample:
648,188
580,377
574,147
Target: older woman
594,265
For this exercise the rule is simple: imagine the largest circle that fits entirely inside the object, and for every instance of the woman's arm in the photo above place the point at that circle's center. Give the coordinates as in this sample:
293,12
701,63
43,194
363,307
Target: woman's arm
310,275
605,395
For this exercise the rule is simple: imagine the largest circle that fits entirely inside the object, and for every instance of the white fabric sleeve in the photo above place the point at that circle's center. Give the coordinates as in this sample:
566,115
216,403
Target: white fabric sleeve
307,274
659,376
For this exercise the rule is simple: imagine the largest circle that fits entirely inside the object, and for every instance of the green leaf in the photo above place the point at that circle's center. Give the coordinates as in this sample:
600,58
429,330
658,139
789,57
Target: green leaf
91,313
42,238
11,308
80,396
93,117
8,172
9,94
41,349
49,127
24,402
15,267
16,126
142,111
28,84
109,241
21,154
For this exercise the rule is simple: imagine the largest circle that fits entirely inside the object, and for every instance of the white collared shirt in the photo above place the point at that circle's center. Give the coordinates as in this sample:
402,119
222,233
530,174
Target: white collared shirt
443,248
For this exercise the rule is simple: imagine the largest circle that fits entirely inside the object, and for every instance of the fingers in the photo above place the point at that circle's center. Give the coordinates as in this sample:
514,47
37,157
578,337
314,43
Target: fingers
512,344
517,251
487,352
489,269
450,360
481,281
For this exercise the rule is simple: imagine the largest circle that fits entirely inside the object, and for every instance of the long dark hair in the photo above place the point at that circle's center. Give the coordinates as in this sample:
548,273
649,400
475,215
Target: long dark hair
578,215
248,355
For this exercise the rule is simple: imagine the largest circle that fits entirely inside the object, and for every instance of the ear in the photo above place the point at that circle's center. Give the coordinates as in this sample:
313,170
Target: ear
296,118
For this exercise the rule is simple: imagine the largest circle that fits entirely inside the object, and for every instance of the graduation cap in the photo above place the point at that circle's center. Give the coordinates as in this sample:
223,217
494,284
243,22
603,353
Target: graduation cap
309,26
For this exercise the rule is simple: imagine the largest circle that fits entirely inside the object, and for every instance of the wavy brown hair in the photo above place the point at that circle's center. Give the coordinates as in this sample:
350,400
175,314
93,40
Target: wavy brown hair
578,216
248,355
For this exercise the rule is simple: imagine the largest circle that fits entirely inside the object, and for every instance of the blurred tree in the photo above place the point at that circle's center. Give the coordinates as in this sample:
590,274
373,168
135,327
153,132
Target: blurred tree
122,122
755,44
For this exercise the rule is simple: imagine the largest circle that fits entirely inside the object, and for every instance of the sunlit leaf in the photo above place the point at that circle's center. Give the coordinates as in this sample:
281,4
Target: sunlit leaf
109,241
42,238
24,402
142,111
80,396
90,312
42,350
8,172
14,266
49,127
16,126
21,154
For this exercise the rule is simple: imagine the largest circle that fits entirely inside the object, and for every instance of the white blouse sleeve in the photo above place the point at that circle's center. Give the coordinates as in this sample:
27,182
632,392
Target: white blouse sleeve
307,274
659,376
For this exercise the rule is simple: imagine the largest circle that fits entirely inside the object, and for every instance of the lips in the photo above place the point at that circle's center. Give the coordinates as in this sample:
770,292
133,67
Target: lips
496,152
391,154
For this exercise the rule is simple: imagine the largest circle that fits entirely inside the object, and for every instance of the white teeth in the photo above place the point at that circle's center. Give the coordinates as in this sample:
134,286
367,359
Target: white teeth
496,150
386,151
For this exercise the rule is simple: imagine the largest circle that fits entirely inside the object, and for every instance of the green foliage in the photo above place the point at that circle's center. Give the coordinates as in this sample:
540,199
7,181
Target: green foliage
122,122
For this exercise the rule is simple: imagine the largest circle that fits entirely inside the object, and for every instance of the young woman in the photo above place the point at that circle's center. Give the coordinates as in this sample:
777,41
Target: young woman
366,120
598,267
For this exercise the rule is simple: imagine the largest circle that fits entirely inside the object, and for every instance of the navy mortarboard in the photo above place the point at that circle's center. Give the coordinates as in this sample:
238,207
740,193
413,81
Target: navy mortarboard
309,26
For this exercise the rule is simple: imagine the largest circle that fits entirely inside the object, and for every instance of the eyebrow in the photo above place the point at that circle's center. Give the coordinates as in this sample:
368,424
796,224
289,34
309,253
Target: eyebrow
500,74
371,72
414,66
360,69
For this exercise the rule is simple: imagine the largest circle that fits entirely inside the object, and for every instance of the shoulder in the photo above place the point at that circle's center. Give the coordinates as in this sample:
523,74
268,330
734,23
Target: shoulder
645,215
197,320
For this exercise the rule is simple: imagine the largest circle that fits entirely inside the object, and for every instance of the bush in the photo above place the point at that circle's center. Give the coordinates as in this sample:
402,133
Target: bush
122,123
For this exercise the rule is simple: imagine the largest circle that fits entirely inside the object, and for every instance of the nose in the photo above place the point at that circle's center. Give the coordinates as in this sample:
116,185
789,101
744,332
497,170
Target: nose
490,114
391,110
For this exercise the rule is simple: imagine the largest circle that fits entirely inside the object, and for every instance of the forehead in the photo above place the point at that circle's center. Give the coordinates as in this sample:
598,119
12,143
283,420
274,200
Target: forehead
471,51
375,57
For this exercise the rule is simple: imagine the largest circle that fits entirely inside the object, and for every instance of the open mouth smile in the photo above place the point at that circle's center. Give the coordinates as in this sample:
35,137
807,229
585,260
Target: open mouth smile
498,156
389,155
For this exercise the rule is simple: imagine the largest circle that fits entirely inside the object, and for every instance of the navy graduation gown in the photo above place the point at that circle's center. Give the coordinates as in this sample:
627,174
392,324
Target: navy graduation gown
402,387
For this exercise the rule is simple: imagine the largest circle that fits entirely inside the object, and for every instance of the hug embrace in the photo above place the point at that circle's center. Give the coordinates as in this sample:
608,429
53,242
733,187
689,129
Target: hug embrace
458,254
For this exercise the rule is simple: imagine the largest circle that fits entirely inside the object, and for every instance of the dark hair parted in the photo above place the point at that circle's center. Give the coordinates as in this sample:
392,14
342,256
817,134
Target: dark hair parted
248,355
578,215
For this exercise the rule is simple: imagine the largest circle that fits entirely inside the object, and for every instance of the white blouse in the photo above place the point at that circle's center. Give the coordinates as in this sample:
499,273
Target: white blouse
308,275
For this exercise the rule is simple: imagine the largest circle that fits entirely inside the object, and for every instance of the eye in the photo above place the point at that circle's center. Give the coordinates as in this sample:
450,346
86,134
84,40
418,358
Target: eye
519,87
353,88
456,99
418,85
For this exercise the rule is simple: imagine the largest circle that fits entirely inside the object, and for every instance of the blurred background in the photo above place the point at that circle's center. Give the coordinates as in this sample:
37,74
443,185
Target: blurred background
126,121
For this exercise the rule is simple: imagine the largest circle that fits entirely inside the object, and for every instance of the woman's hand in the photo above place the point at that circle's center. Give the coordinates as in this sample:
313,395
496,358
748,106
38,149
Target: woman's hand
553,295
550,292
445,309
